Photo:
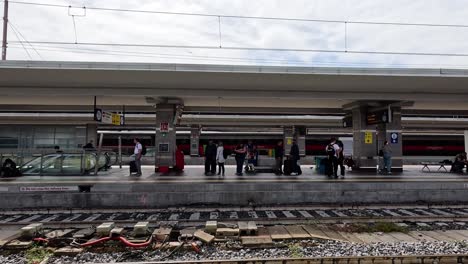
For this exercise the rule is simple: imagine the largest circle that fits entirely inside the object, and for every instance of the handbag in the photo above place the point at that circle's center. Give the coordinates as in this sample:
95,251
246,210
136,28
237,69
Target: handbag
381,153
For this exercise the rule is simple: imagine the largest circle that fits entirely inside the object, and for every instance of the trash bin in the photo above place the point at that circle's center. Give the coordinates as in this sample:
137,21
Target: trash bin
320,165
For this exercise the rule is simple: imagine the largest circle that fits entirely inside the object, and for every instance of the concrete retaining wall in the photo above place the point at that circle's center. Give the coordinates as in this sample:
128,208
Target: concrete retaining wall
239,194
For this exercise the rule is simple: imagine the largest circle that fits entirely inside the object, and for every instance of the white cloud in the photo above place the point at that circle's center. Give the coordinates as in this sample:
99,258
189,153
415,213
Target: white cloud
54,24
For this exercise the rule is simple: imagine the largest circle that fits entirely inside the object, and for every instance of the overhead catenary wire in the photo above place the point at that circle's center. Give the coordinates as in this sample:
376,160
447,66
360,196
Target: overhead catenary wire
251,48
19,32
225,59
152,54
243,17
19,39
220,47
345,22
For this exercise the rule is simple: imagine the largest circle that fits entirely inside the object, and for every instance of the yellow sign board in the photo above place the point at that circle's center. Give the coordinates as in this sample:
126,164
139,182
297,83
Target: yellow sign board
289,141
116,119
368,137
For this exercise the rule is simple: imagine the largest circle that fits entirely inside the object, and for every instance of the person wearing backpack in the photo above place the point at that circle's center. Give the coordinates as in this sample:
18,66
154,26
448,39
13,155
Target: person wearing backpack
341,157
220,158
138,152
9,169
332,150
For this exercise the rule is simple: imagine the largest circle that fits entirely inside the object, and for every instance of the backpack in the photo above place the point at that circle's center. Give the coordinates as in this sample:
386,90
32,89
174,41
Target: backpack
225,153
330,150
143,149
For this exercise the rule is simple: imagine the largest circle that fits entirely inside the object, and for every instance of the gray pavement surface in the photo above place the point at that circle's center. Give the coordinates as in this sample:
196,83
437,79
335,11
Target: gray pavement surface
195,173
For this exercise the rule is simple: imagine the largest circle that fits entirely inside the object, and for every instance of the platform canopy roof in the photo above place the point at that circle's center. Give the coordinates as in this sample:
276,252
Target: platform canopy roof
74,84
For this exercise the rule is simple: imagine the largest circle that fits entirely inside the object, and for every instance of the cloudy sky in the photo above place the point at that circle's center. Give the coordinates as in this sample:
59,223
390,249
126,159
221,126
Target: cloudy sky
55,24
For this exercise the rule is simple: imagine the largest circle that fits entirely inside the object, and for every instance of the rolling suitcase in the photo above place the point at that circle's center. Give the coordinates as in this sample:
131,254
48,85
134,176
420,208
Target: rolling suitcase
133,167
287,167
180,162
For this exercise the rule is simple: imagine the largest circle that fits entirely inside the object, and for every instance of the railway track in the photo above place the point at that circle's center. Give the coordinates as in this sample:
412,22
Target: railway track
295,234
415,259
263,215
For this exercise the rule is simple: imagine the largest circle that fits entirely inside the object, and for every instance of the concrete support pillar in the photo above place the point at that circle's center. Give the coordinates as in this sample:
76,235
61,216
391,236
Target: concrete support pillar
91,133
288,136
194,141
364,139
301,140
394,136
165,140
369,139
466,140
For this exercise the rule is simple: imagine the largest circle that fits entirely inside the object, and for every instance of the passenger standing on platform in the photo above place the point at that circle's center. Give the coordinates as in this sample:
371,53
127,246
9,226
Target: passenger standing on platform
294,156
252,153
333,151
58,150
279,153
341,157
210,158
241,152
138,152
220,157
459,163
387,157
89,146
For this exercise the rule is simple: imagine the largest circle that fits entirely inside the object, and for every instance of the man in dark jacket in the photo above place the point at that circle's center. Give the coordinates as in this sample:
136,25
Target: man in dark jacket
279,153
210,158
295,157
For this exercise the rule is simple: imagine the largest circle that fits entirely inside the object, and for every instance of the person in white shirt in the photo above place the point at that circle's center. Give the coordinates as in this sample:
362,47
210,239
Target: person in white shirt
333,153
138,151
220,157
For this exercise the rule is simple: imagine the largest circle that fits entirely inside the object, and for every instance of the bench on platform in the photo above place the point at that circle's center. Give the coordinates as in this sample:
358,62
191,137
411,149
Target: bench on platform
429,163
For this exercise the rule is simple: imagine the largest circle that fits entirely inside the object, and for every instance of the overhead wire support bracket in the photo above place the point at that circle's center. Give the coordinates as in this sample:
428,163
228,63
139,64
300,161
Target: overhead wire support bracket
219,31
18,32
70,13
346,36
19,39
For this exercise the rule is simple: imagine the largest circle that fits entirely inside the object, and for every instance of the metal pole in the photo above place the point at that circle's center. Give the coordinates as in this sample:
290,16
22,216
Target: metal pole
42,163
123,114
96,167
466,140
5,30
120,151
83,153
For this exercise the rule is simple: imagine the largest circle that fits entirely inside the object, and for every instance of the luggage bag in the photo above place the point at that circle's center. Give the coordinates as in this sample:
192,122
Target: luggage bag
133,167
287,167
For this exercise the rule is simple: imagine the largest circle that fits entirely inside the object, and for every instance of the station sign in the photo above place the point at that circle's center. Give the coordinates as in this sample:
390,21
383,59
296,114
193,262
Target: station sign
108,117
378,117
49,189
164,127
368,138
394,138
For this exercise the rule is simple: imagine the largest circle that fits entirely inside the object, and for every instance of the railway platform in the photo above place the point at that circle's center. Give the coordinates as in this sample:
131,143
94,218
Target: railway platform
116,189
